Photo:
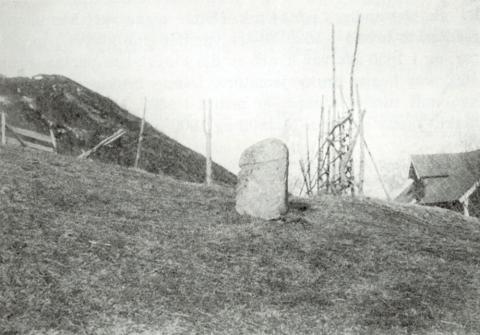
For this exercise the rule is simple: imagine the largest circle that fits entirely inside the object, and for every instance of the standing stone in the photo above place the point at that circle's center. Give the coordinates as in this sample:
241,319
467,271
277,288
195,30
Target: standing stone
262,182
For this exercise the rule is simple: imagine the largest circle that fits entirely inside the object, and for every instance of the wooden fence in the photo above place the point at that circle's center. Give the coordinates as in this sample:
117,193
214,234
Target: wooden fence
119,133
27,138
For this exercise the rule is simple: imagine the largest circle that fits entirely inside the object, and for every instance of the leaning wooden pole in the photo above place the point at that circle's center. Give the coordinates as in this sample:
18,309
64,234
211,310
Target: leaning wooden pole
119,133
17,136
305,178
380,179
140,135
207,130
349,153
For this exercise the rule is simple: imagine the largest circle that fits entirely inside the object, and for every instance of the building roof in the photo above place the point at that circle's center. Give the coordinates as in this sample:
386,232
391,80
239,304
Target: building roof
409,193
445,177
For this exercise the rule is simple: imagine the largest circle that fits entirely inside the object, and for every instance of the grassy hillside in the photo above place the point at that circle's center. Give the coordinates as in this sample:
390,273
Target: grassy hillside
90,248
81,118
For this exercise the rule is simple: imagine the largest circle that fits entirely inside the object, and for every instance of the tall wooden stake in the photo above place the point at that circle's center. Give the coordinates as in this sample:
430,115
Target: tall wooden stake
308,163
354,60
320,151
140,135
334,90
361,168
328,165
207,130
349,179
4,138
333,170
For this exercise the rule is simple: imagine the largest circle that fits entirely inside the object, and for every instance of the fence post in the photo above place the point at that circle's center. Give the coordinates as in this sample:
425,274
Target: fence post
207,129
54,141
4,139
140,135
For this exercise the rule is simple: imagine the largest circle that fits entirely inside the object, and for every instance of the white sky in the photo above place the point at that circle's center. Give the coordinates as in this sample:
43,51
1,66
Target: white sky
265,64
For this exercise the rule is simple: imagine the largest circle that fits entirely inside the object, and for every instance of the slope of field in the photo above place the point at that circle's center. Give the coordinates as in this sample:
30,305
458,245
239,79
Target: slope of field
81,118
91,248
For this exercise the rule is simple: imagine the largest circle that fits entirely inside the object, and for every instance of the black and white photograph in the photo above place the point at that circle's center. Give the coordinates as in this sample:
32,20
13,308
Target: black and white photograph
239,167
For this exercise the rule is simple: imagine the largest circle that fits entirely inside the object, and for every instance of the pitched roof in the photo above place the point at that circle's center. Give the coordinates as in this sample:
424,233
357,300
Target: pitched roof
446,177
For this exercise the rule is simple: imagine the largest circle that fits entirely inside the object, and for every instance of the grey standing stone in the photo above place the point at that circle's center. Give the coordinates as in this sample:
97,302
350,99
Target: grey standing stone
262,182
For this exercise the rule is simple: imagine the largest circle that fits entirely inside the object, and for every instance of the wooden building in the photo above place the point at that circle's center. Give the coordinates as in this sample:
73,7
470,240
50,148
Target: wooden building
445,180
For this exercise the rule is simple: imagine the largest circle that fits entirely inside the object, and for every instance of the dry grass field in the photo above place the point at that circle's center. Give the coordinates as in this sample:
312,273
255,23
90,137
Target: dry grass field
91,248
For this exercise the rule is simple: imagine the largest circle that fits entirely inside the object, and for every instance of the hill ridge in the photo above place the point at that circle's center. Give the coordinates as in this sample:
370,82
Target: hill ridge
81,118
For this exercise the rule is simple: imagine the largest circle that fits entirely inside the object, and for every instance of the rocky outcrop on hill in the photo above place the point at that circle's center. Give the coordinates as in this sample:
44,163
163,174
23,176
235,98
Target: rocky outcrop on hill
80,118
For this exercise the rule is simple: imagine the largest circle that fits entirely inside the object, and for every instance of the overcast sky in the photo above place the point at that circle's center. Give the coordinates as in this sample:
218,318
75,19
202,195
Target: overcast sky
265,64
